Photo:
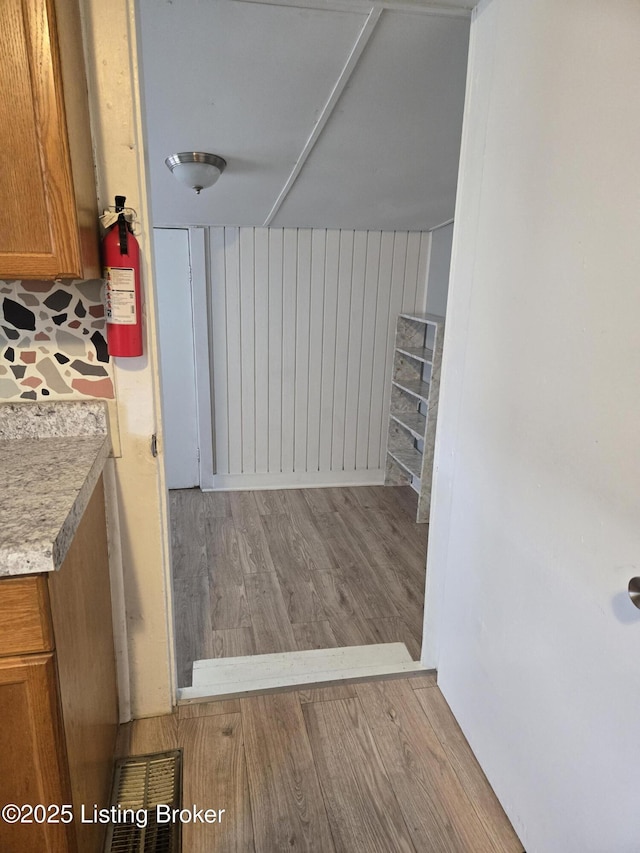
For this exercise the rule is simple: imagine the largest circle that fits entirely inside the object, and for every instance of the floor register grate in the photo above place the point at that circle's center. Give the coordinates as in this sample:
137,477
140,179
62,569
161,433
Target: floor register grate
141,784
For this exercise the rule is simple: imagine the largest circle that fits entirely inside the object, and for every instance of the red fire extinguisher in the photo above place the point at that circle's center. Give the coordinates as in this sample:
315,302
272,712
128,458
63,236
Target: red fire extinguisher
121,259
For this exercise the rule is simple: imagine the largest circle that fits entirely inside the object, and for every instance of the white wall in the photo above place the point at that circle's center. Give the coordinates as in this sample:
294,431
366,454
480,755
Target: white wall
439,266
535,525
303,324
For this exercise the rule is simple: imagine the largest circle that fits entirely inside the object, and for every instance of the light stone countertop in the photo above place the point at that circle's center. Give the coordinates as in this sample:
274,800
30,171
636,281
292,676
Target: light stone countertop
45,486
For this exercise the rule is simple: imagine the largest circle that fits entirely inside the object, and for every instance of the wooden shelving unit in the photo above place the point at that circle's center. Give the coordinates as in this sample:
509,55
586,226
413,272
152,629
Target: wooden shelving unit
415,386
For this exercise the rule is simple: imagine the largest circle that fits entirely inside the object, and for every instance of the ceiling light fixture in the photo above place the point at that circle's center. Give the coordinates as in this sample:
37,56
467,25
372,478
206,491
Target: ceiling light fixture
196,169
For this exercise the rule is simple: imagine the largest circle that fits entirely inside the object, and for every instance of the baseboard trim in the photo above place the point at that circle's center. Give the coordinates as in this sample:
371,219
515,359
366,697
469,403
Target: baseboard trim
295,480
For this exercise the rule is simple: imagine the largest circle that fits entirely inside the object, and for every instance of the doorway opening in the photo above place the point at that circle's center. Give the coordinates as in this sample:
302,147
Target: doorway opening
277,336
333,559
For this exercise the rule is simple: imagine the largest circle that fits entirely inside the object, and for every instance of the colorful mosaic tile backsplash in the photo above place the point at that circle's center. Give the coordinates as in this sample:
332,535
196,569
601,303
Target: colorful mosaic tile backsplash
52,341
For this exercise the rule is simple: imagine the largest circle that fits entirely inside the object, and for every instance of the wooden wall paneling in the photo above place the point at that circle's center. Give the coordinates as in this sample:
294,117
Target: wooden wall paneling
367,347
329,332
248,348
220,345
379,377
262,350
343,311
289,345
316,317
234,348
356,318
275,427
303,304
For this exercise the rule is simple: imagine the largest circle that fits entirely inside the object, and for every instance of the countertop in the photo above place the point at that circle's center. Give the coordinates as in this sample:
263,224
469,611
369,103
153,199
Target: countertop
46,479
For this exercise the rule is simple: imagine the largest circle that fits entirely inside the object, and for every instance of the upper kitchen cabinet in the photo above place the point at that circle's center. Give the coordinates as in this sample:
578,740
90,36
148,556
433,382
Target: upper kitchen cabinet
48,209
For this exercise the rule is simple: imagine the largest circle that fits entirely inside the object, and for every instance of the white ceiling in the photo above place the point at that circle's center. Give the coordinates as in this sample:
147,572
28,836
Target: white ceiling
343,117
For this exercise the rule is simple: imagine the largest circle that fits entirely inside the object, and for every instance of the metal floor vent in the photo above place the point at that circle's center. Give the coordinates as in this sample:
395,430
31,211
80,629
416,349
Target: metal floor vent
141,783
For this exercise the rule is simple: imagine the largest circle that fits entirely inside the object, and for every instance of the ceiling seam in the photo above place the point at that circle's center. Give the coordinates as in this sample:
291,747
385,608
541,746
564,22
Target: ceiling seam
463,11
357,50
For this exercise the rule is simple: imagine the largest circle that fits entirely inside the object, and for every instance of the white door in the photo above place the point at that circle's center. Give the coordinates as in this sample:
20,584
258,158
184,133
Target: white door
535,525
177,361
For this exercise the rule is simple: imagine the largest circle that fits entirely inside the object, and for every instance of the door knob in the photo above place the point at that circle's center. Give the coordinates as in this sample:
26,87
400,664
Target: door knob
634,591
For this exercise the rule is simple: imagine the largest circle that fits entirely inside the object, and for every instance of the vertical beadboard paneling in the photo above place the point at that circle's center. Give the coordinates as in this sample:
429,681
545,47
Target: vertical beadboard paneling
411,271
355,348
276,346
329,332
400,291
303,328
367,345
303,315
316,317
234,350
218,338
423,271
247,348
289,346
262,349
380,347
343,322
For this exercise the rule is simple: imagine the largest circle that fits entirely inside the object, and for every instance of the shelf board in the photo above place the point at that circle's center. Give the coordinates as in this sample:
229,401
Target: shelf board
419,353
410,459
416,388
432,319
415,422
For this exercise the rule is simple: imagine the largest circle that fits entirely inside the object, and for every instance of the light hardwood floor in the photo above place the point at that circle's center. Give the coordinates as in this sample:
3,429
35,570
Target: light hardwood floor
295,569
377,767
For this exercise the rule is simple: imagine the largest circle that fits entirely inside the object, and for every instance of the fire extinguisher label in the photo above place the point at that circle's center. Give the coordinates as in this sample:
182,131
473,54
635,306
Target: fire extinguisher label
121,296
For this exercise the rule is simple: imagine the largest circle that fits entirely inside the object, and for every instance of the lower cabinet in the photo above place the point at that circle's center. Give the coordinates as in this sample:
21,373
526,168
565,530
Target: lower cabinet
58,696
32,755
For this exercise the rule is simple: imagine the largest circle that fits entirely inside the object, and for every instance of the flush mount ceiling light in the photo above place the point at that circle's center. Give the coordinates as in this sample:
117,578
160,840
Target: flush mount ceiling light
196,169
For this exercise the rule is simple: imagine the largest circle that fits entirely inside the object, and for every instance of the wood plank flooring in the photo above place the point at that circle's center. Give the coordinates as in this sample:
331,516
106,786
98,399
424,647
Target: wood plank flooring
358,768
295,569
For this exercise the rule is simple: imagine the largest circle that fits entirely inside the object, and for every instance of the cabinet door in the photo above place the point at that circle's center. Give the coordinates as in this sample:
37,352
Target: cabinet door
40,235
32,757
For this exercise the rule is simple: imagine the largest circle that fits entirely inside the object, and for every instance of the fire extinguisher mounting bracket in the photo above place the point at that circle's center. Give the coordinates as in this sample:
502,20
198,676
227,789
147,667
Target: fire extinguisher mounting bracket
111,215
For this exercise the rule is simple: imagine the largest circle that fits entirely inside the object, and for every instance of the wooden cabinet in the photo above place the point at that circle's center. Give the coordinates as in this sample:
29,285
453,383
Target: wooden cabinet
48,211
58,705
32,756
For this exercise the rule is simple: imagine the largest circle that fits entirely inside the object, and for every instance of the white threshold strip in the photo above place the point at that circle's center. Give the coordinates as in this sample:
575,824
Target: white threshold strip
232,677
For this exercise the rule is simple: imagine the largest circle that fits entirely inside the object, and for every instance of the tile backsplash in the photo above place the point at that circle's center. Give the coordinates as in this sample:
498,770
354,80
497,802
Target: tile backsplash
53,341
